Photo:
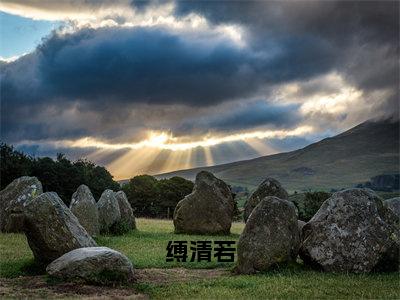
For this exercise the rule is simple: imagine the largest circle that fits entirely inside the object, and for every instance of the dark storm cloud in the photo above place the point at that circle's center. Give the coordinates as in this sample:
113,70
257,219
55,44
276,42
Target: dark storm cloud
253,115
111,71
133,65
155,66
41,150
259,114
363,35
334,20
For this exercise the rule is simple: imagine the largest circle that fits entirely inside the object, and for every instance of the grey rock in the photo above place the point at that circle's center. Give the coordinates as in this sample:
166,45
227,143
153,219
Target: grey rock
12,199
109,213
92,264
126,211
352,232
269,187
394,205
270,237
301,224
84,207
207,210
51,228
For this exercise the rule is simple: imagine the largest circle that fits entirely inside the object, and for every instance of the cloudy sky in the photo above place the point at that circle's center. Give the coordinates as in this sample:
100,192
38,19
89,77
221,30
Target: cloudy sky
150,87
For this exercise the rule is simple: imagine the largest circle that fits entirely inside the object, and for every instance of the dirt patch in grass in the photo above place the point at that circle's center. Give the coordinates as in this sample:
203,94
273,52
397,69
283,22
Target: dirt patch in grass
39,287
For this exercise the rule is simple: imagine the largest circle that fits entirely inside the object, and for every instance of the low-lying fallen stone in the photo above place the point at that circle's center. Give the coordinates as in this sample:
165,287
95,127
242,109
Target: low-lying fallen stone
208,209
12,199
92,264
109,213
51,228
352,232
127,218
84,207
269,187
270,237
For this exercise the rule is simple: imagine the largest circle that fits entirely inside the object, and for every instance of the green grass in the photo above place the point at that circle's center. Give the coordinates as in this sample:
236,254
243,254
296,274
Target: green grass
16,258
283,284
146,247
241,201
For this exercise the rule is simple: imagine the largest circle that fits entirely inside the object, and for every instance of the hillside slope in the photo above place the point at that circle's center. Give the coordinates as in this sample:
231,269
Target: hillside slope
369,149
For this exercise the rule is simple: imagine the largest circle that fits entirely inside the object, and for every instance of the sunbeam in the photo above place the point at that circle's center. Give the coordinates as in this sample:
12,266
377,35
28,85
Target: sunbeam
164,140
260,147
209,157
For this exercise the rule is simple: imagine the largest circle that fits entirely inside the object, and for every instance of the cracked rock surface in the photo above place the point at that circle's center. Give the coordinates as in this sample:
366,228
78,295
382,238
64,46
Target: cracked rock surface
352,232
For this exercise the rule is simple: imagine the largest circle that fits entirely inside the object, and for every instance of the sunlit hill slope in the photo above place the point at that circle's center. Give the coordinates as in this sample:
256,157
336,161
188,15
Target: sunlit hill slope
354,156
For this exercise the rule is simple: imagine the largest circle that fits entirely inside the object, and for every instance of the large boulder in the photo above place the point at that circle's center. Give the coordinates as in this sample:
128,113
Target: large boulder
12,199
269,187
92,264
352,232
127,219
109,213
84,207
394,205
208,209
52,229
270,237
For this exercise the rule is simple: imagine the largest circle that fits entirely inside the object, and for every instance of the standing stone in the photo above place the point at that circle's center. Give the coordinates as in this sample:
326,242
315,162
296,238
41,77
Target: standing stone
84,207
12,199
269,187
394,205
126,211
352,232
92,264
208,209
301,224
51,228
109,213
270,237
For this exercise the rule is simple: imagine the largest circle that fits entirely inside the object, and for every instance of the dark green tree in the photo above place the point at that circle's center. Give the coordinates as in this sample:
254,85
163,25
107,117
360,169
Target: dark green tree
61,175
142,195
96,178
312,203
57,176
171,191
13,164
152,198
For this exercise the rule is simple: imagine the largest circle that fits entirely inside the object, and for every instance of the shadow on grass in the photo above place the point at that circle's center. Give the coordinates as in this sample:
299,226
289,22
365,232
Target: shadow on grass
26,267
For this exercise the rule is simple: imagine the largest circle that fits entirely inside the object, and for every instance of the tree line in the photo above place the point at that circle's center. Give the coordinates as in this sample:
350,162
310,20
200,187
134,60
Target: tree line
156,198
148,196
59,175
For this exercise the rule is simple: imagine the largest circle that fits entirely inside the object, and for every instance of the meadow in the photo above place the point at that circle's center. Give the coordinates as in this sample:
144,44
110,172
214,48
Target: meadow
160,279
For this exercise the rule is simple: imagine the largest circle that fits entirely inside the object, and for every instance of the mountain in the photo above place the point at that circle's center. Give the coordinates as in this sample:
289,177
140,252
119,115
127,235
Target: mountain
345,160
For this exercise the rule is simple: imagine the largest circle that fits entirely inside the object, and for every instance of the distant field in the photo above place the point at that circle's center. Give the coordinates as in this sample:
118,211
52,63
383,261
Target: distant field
146,247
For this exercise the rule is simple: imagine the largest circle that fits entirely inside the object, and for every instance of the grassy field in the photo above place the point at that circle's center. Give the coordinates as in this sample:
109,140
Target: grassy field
152,239
283,284
146,247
